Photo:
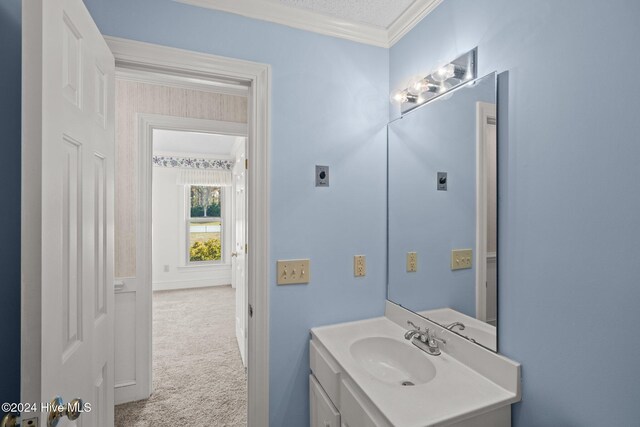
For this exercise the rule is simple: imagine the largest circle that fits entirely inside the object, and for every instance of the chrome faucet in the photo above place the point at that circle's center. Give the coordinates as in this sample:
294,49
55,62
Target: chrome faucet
425,340
450,326
416,331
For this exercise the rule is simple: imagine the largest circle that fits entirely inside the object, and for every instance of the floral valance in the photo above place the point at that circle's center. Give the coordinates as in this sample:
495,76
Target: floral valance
192,163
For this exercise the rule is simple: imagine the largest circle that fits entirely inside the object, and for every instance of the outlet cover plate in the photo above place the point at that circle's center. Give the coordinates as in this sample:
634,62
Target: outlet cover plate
359,266
461,259
293,272
412,262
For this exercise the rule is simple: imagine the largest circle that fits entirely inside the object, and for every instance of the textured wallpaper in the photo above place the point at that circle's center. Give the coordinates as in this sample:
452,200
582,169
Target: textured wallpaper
133,98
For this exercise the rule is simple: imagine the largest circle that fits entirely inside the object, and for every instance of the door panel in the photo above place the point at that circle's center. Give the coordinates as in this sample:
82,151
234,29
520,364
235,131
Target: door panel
239,263
67,245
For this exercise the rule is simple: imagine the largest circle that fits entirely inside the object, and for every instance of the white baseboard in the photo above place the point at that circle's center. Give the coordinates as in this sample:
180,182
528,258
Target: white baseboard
128,392
189,284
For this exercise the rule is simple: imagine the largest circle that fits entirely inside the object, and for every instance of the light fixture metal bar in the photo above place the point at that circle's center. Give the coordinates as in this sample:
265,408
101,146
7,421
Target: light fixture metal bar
442,80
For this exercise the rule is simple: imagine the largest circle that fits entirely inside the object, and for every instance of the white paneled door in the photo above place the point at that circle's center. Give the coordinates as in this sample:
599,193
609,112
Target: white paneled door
68,222
239,255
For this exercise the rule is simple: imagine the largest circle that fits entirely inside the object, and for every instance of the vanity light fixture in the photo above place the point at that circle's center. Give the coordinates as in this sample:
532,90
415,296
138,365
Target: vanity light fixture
445,78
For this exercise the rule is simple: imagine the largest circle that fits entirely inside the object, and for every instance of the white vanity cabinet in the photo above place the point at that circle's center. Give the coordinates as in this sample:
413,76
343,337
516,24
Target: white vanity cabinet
335,400
365,374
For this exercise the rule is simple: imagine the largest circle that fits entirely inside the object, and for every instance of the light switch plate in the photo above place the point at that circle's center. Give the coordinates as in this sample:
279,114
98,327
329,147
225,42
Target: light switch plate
322,176
412,262
461,259
359,266
293,272
442,181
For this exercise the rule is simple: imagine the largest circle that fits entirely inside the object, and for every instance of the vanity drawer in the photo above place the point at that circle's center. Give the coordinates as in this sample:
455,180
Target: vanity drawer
355,410
326,372
323,413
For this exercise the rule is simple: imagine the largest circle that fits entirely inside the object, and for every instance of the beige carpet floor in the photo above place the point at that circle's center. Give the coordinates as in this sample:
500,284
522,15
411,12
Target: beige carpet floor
198,377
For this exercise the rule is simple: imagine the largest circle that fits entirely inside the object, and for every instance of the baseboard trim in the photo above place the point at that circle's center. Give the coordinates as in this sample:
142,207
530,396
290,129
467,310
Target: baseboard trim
189,284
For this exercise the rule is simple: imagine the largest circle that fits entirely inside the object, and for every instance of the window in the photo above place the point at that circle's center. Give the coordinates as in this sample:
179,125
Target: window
204,224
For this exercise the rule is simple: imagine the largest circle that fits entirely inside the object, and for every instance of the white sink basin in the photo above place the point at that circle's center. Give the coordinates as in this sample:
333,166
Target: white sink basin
393,361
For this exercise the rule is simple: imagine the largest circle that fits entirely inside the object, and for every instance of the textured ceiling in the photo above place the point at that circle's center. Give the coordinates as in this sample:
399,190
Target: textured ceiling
380,13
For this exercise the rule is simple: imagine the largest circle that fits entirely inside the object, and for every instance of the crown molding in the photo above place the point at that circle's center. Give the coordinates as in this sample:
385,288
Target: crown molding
299,18
308,20
410,18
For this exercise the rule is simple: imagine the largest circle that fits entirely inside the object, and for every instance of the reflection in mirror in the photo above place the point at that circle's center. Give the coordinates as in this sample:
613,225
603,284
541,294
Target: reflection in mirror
442,203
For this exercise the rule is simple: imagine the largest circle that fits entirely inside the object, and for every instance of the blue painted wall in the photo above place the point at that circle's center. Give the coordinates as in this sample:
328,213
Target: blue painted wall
330,107
569,291
437,137
10,81
569,195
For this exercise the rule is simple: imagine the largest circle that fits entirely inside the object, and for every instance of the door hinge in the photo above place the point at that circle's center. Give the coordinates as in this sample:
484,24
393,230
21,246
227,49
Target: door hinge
250,310
246,248
246,163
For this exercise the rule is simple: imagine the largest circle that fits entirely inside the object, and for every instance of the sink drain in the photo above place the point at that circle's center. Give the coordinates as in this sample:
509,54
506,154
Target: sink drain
407,383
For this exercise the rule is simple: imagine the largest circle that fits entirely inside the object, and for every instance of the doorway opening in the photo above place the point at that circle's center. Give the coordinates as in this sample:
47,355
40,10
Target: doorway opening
245,120
486,213
199,302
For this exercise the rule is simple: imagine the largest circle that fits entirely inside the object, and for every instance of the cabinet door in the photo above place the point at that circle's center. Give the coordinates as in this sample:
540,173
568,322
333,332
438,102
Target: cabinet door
356,410
323,413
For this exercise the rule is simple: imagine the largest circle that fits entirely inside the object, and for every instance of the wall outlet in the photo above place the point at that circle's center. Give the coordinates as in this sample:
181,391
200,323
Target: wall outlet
461,259
166,268
359,265
293,271
412,262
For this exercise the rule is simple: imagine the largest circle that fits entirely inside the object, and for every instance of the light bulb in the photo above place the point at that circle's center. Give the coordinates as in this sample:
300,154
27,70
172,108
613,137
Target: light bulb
444,73
411,84
421,85
399,96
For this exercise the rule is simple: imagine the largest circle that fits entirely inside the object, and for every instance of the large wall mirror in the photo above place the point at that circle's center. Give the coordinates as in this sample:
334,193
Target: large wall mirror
442,202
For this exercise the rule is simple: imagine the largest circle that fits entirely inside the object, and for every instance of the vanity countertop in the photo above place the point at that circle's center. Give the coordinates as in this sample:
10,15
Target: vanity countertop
455,393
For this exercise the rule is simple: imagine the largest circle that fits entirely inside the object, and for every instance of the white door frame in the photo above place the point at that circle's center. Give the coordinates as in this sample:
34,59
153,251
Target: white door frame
155,58
484,111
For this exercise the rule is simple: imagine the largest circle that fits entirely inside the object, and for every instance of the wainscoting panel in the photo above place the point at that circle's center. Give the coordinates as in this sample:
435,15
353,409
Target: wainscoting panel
126,346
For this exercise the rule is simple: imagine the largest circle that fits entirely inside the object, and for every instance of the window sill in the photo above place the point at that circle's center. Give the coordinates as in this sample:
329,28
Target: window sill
216,266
